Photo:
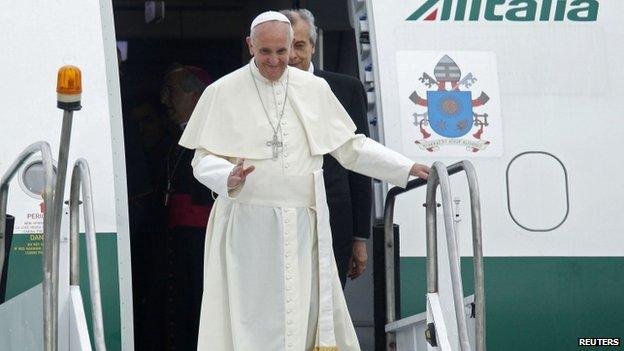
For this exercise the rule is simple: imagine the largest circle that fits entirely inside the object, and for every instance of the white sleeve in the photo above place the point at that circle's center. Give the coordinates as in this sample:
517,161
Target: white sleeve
213,171
366,156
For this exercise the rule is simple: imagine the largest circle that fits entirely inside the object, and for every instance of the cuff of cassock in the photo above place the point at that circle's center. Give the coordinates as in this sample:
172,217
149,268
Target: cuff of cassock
213,172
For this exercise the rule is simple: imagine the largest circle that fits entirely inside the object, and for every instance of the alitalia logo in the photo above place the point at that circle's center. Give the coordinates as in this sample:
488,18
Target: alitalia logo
505,10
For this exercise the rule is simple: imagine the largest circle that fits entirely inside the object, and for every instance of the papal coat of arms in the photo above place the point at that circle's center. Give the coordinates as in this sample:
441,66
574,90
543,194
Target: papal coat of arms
450,117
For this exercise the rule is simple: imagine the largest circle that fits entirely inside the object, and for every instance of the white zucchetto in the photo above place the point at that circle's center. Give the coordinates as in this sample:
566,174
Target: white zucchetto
266,17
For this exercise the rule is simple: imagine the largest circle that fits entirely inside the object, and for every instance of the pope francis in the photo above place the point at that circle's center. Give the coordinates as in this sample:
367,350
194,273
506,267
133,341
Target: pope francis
259,135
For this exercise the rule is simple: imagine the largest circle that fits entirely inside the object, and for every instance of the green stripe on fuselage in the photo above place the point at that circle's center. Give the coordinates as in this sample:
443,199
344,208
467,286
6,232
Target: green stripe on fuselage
25,271
536,303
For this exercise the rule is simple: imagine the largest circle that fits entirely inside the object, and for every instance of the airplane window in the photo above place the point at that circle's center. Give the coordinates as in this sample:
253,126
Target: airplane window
32,178
537,191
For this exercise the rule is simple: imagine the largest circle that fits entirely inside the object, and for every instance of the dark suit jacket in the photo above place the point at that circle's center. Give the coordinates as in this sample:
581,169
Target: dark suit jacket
348,194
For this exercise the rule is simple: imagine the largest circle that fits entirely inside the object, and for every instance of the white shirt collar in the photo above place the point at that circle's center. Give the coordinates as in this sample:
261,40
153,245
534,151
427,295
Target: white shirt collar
311,68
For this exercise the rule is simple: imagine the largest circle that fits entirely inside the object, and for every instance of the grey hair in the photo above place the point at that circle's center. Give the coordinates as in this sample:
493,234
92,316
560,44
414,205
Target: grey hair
294,15
291,33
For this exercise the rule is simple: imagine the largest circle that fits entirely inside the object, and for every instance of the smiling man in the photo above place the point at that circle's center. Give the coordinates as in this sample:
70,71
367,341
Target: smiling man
259,135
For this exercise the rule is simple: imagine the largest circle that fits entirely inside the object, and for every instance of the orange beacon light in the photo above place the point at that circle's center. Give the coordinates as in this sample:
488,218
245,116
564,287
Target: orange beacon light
69,88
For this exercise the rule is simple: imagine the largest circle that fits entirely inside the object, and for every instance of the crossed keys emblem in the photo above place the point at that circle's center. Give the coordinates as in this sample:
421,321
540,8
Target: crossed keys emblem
450,107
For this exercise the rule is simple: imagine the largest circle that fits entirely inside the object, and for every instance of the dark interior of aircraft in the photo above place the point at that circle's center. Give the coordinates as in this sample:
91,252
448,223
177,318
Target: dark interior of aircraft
211,35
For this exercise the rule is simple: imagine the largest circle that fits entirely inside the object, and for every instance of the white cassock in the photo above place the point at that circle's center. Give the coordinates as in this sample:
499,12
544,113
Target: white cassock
270,279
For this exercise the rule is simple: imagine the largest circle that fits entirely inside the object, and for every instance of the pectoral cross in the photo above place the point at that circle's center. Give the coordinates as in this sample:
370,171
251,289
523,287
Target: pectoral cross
275,144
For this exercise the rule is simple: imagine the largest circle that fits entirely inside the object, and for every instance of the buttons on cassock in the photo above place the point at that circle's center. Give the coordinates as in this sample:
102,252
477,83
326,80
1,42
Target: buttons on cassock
289,222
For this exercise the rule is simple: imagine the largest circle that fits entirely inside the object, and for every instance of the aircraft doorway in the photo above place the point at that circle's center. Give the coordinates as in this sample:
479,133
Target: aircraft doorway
207,37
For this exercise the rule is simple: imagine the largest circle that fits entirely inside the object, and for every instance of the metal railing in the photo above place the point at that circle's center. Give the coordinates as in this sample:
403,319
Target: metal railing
81,179
440,176
69,88
51,239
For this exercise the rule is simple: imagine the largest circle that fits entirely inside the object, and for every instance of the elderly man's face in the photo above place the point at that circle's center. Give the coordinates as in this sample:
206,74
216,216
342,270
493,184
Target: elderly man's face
179,103
270,48
302,50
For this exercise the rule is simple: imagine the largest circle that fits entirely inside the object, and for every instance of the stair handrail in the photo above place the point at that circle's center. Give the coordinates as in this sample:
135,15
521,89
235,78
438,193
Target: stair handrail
389,244
477,247
477,254
81,179
50,240
439,176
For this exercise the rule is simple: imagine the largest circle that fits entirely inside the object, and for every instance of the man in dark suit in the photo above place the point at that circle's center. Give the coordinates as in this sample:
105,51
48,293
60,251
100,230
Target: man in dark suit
348,193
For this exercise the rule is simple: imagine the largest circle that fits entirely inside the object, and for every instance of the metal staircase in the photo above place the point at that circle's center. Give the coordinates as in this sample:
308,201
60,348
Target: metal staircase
28,321
451,322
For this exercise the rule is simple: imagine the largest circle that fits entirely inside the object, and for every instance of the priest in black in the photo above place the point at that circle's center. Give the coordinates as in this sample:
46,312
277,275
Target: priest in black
348,194
186,207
